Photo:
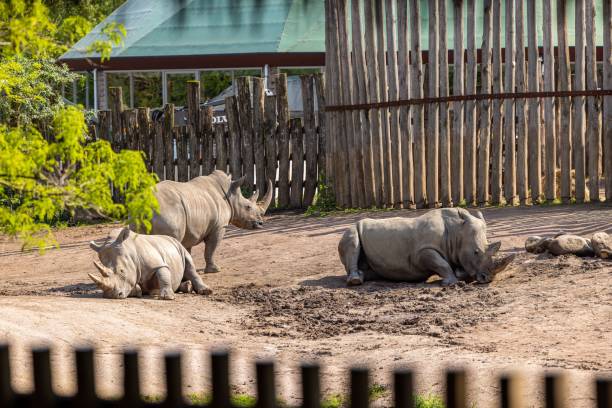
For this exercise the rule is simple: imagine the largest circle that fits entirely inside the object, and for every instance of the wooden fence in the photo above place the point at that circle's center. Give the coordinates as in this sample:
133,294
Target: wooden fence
260,140
465,122
555,389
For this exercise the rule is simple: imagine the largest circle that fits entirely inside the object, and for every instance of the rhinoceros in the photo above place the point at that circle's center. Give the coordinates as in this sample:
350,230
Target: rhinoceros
450,243
133,264
200,209
562,244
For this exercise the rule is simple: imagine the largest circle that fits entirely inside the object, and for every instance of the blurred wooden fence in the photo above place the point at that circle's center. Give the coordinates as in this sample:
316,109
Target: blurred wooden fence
259,141
554,386
464,121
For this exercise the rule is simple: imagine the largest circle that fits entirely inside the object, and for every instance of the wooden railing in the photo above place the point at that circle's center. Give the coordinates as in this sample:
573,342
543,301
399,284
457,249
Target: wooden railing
555,389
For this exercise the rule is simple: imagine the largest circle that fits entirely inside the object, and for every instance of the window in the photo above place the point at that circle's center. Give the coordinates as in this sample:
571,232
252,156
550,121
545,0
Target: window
115,79
177,87
212,83
147,89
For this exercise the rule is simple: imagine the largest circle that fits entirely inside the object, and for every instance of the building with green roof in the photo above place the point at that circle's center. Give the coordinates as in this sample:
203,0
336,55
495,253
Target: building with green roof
171,41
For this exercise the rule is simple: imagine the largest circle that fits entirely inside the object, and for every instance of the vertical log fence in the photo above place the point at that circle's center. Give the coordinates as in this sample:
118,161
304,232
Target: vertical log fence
260,140
553,385
518,115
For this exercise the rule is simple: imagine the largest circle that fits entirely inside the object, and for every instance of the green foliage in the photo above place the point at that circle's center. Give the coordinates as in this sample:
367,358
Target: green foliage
375,392
324,201
28,90
30,28
41,179
428,401
214,82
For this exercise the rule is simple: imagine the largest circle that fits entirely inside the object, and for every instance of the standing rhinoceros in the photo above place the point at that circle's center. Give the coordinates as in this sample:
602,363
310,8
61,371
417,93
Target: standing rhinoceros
132,264
200,209
450,243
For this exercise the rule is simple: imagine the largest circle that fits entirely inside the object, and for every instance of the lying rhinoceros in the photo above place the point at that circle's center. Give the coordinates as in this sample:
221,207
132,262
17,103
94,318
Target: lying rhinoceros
200,209
450,243
133,264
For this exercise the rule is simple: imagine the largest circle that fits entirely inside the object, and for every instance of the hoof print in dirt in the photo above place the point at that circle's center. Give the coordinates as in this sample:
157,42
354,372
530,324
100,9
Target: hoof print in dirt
133,264
599,245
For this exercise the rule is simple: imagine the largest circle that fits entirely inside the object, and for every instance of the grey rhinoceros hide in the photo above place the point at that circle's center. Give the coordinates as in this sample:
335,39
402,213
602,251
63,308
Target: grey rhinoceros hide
451,243
132,264
200,209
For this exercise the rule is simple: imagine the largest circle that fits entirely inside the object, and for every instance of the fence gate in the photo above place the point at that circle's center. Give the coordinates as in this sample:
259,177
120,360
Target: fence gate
454,102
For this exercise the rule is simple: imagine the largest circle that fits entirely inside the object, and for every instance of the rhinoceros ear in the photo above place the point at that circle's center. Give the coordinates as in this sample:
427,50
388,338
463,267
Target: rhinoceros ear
479,215
493,248
95,246
125,233
236,184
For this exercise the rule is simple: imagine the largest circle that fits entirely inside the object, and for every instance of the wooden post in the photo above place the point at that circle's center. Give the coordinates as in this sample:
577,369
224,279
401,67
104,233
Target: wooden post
432,109
579,101
246,129
381,55
565,108
375,117
607,84
104,125
496,131
509,132
310,136
593,106
485,111
549,110
168,136
282,109
158,149
181,153
194,126
319,81
360,96
535,144
416,91
258,134
393,94
457,137
297,163
521,126
129,118
221,148
331,88
471,143
144,132
348,137
445,145
270,143
115,102
206,126
404,93
235,160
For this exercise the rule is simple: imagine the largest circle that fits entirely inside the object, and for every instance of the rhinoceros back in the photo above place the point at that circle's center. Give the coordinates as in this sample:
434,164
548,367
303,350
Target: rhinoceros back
189,211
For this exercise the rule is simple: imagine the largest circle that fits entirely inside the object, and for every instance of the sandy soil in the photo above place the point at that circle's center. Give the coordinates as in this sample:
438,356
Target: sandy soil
281,295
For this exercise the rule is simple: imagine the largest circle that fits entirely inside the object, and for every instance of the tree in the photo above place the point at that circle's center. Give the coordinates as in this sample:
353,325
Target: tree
28,28
40,179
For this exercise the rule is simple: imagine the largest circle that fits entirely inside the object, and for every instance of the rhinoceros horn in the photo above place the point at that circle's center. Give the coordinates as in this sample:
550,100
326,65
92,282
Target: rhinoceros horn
255,196
100,282
501,264
105,271
267,199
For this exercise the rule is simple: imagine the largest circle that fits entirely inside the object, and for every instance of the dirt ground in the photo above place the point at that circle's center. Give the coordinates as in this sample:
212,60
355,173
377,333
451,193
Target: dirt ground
281,294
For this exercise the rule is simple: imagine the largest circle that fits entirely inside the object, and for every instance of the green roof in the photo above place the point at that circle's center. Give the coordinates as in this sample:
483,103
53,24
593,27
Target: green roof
165,28
213,27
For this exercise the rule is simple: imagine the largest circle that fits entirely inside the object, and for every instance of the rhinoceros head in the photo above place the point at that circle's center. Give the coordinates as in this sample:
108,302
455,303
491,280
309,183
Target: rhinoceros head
475,253
248,213
116,267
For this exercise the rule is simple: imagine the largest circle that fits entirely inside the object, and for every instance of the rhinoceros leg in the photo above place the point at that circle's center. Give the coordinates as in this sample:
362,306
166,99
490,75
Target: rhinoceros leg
136,291
431,261
190,275
349,250
164,277
211,242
